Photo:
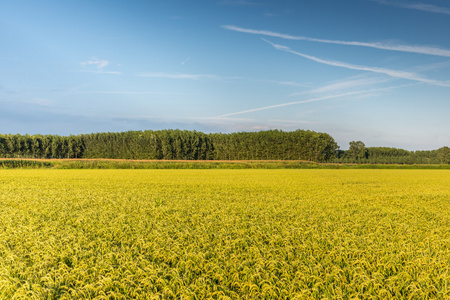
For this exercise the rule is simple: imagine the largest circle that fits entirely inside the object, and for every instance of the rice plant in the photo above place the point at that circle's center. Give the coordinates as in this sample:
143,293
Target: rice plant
224,234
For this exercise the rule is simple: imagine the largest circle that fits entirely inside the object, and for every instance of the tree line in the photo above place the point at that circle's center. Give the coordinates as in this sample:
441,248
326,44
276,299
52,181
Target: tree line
193,145
174,144
359,153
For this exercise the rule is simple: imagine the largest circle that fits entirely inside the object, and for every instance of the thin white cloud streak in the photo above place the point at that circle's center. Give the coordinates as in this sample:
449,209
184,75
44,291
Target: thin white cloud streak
129,93
384,46
284,82
109,72
417,6
315,100
214,77
292,103
101,72
220,118
96,62
291,122
348,84
185,61
433,67
241,3
178,76
181,118
277,82
100,65
389,72
40,102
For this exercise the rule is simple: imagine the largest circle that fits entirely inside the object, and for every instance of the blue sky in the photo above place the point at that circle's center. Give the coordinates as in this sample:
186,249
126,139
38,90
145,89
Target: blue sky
371,70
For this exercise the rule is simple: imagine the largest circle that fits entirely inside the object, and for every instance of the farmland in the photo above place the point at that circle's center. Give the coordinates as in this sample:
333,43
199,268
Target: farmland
224,234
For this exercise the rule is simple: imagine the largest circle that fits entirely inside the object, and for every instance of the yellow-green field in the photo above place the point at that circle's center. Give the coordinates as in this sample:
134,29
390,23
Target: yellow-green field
220,234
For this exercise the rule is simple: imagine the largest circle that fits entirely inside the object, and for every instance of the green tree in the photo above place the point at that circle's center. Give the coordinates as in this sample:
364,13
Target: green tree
357,150
443,155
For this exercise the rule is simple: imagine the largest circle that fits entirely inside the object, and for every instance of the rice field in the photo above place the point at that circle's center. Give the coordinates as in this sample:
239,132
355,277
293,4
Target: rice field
224,234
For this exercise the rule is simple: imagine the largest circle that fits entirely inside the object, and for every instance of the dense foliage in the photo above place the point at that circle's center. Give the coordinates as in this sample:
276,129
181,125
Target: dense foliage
358,153
194,145
174,144
224,234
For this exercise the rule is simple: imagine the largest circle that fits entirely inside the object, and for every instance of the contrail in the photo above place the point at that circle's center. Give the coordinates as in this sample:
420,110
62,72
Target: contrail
385,46
316,99
389,72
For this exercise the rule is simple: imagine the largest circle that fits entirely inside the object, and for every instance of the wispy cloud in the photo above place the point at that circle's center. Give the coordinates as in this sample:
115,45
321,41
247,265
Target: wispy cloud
290,122
290,83
389,72
241,3
214,77
40,102
220,118
417,6
354,93
434,66
292,103
352,83
100,64
129,93
178,76
275,82
185,61
385,46
101,72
